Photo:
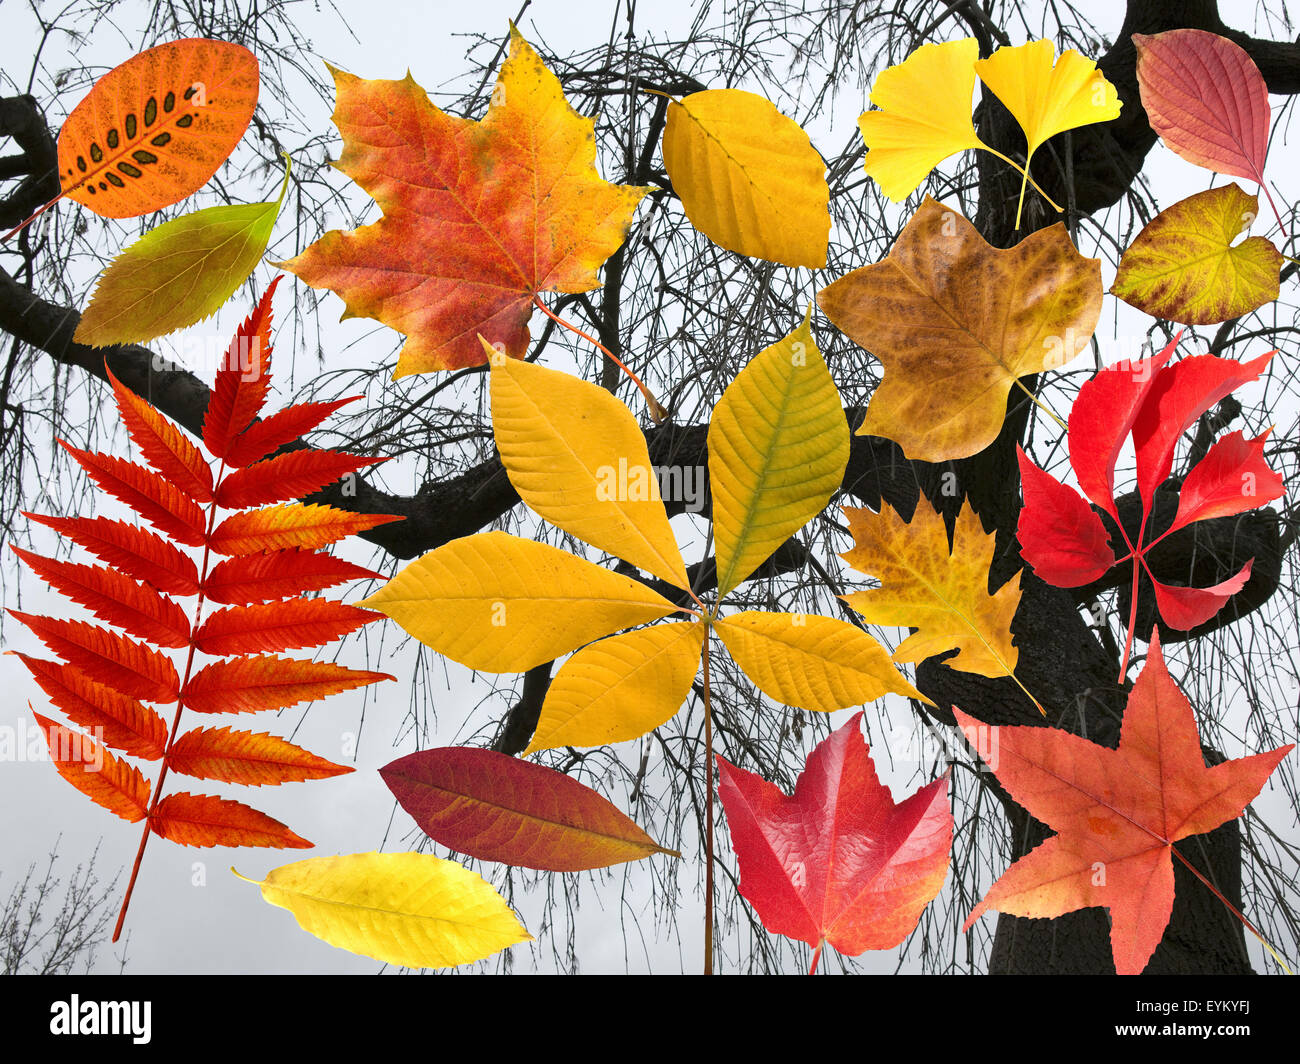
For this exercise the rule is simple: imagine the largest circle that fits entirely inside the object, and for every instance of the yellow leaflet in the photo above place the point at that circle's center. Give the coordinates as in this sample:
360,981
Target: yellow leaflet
178,274
620,688
500,603
577,457
748,177
778,445
409,909
809,661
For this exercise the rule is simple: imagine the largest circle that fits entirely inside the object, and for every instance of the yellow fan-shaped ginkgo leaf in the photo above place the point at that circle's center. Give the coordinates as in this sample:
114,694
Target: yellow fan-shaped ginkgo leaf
620,688
942,593
924,116
500,603
577,457
178,274
409,909
778,445
748,177
1047,98
813,662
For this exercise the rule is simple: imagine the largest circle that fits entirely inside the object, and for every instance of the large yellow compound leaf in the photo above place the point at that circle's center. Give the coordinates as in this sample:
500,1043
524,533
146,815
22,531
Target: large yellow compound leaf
409,909
479,217
816,663
748,177
620,688
778,445
944,595
924,116
577,457
955,323
1185,267
500,603
1046,98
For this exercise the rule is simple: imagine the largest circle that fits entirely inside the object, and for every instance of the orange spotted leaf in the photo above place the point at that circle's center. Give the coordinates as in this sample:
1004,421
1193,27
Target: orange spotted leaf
250,685
249,758
204,820
117,786
279,626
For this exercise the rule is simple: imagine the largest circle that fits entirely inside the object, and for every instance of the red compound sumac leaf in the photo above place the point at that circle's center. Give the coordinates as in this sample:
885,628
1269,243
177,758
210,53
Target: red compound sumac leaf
284,426
250,685
163,445
126,666
116,785
204,820
243,379
136,551
295,525
254,578
498,808
279,626
288,476
251,758
153,497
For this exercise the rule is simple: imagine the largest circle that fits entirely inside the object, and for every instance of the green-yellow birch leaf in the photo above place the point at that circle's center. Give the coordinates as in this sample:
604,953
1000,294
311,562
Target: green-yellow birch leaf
748,177
778,445
809,661
1185,267
620,688
500,603
409,909
941,593
577,457
178,274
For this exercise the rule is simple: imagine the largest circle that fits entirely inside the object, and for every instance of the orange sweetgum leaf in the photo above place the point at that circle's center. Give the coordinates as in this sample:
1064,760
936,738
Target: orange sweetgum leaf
204,820
133,550
295,525
278,574
116,785
250,685
279,626
153,497
1116,813
287,477
251,758
479,217
163,445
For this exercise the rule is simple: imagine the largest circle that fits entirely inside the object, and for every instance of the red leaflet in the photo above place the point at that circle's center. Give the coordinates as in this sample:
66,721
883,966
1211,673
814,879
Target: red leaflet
284,426
1064,540
838,862
278,527
126,666
154,498
96,773
115,597
498,808
136,551
243,379
247,757
163,445
120,722
279,626
250,685
202,820
279,574
288,476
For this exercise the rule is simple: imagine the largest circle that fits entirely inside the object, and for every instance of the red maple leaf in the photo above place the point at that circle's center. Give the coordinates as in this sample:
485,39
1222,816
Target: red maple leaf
1063,539
838,862
1116,813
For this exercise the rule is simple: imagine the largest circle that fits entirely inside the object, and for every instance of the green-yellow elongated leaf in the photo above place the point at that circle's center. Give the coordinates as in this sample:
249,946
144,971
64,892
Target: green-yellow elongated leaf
778,445
748,177
1184,266
620,688
577,457
500,603
178,274
409,909
813,662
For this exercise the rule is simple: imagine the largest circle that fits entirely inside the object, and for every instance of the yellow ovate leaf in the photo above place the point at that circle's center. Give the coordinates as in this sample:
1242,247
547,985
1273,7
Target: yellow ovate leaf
178,274
1047,99
812,662
778,445
409,909
955,322
945,596
924,116
620,688
748,177
577,457
1184,266
500,603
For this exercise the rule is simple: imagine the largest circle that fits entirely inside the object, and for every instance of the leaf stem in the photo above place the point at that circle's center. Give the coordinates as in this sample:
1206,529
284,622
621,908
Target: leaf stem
1041,405
1024,170
817,955
708,844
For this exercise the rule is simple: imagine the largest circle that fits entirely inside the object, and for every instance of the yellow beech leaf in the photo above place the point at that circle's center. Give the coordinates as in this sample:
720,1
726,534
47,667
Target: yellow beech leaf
577,457
924,116
620,688
1185,267
956,322
500,603
817,663
943,594
1046,98
178,274
778,445
748,177
410,909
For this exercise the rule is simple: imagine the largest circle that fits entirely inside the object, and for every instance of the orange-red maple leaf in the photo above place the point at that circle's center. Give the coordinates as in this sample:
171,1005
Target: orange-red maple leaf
479,217
1116,813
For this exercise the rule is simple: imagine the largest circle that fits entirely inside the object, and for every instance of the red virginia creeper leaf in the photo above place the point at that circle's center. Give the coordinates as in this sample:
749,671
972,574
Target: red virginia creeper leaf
252,578
251,758
1186,607
203,820
250,685
279,626
135,551
117,786
1232,478
1061,536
